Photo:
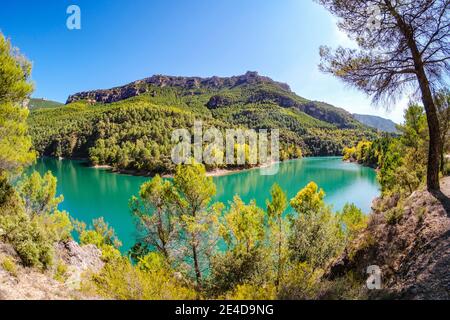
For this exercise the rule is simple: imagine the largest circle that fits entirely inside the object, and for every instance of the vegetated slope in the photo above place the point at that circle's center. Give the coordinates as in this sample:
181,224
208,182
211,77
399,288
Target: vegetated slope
36,103
25,283
379,123
130,127
410,242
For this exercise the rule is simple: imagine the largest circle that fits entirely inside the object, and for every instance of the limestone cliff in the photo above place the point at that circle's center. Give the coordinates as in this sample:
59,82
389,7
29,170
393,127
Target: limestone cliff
190,83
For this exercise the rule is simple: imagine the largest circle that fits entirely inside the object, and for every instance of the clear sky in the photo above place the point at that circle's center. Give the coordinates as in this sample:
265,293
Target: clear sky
121,41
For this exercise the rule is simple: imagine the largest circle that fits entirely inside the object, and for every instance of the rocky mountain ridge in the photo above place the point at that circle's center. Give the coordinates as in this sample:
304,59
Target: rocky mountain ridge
222,92
139,87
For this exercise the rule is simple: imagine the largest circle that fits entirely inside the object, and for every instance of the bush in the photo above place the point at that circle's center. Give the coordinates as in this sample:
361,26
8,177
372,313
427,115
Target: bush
352,221
61,272
252,291
230,269
30,221
102,236
150,279
30,239
394,215
10,266
300,283
348,287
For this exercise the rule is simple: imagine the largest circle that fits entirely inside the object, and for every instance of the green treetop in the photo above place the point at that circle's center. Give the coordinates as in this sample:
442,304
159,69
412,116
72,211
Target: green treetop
15,144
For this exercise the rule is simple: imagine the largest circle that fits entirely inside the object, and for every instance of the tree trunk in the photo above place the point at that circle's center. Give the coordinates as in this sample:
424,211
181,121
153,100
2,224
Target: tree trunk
435,136
428,102
198,274
279,253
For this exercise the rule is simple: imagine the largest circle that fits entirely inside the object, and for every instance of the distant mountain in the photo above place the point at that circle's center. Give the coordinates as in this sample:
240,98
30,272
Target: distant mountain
130,127
379,123
36,103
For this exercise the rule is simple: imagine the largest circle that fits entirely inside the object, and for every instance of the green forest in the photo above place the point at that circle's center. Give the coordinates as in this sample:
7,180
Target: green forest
135,134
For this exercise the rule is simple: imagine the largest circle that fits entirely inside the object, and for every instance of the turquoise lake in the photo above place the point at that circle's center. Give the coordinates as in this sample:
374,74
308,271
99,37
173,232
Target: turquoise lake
92,193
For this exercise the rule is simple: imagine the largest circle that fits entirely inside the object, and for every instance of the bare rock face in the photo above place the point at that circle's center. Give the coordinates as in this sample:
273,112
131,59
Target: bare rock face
413,254
79,259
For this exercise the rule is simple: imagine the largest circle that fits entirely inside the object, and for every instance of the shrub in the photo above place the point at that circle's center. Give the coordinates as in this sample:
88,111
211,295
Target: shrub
61,272
150,279
232,268
10,266
30,239
352,221
252,291
394,215
301,282
348,287
102,236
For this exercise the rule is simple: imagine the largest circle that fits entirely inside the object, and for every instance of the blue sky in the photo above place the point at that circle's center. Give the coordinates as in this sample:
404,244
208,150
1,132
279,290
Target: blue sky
122,41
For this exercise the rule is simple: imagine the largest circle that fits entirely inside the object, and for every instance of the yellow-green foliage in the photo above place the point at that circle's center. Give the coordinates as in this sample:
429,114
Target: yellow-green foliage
39,193
33,236
199,219
347,287
102,236
30,221
9,265
308,200
150,279
301,282
15,144
366,243
360,153
316,235
61,272
243,226
349,153
29,238
404,163
253,292
352,220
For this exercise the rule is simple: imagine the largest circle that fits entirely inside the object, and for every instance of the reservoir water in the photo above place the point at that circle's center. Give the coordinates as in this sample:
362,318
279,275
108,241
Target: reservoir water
91,193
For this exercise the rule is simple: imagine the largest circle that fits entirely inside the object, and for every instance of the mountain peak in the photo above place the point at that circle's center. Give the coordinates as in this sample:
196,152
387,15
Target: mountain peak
188,83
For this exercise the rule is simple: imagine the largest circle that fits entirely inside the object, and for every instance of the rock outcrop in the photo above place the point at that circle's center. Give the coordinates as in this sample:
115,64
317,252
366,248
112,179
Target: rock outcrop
413,253
79,260
189,83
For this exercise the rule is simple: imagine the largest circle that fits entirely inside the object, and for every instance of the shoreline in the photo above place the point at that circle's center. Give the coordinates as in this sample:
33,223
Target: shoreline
212,173
227,172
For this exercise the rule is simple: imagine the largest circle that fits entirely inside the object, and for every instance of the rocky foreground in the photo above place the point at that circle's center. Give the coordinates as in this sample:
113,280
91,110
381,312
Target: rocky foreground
19,283
410,242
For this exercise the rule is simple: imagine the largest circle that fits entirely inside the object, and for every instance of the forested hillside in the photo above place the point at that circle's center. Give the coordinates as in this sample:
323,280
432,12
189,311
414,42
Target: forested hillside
130,127
37,103
379,123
